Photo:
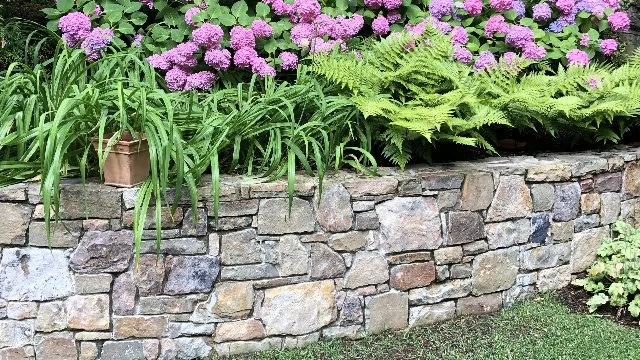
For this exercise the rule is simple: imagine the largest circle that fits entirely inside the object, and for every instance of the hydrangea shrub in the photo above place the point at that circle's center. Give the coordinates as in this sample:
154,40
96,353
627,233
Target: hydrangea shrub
191,41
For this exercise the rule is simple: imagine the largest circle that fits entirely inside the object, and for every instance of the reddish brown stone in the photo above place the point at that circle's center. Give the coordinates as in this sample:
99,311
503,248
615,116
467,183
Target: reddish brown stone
239,331
139,326
409,276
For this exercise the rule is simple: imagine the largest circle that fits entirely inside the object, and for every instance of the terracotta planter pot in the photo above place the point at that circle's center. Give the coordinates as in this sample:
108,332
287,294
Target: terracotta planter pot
127,164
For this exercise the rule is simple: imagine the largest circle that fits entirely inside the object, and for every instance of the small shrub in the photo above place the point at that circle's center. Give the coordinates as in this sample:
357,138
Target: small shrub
614,278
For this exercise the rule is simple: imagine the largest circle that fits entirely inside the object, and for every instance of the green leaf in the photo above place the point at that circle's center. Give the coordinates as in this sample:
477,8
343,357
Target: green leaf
593,34
526,21
227,20
50,12
177,35
53,25
596,301
64,5
262,10
114,16
133,7
89,7
239,8
126,28
271,46
342,4
138,18
467,22
510,15
245,20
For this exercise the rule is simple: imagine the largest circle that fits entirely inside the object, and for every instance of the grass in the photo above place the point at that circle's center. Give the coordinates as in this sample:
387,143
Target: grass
540,328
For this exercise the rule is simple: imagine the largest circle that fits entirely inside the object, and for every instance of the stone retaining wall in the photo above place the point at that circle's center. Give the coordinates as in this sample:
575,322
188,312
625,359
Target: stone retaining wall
402,250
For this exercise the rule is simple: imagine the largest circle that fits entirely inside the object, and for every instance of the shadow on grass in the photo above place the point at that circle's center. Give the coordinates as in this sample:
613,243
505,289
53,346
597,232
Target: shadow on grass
540,328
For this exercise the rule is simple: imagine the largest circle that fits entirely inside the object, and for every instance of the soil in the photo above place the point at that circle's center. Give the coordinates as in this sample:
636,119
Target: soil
576,299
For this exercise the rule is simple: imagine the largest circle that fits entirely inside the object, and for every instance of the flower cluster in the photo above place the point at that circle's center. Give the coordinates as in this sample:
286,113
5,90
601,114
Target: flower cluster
76,29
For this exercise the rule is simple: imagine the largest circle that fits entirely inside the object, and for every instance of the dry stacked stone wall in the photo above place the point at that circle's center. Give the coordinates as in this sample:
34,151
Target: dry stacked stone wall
401,250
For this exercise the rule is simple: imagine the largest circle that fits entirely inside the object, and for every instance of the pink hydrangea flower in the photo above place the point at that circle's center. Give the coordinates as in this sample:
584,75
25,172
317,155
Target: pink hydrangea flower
509,57
462,54
289,60
459,35
176,78
159,61
485,60
613,4
394,16
202,80
97,11
392,4
619,21
260,67
608,46
320,46
244,57
207,35
473,7
373,4
380,26
281,8
443,26
219,59
566,6
519,36
242,37
577,57
261,29
501,5
584,40
495,24
307,10
541,11
189,15
301,34
347,28
533,51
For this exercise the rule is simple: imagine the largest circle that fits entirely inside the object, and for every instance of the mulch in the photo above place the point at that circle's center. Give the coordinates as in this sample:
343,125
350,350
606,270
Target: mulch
575,298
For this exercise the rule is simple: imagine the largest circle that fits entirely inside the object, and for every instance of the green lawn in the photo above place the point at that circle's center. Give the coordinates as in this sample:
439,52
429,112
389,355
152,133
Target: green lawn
536,329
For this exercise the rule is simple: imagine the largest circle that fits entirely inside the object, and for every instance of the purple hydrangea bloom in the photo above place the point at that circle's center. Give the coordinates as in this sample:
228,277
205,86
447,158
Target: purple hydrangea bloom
533,51
392,4
485,60
189,14
347,28
75,27
519,36
473,7
595,7
495,24
96,43
501,5
561,22
202,80
219,59
242,37
261,29
307,10
207,35
183,55
282,8
541,11
289,60
260,67
97,11
584,40
440,8
244,57
509,57
577,57
613,4
176,78
320,46
519,8
149,3
380,26
137,40
566,6
619,21
459,35
301,34
394,16
159,61
608,46
324,25
443,26
462,54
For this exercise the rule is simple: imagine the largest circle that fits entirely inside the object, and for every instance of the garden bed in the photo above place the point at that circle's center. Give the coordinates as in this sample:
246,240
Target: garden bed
575,298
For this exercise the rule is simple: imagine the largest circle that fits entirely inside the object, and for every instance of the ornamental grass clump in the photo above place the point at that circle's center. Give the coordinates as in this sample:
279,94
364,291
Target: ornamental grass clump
614,277
195,43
